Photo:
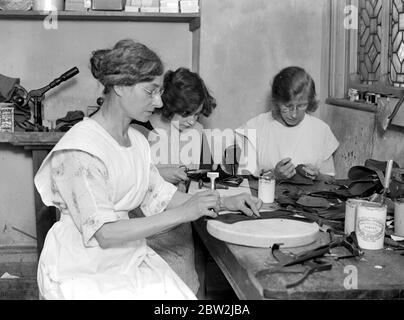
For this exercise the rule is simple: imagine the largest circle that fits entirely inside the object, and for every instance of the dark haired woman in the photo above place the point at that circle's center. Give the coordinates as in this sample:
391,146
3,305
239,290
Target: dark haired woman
175,135
289,135
99,171
171,130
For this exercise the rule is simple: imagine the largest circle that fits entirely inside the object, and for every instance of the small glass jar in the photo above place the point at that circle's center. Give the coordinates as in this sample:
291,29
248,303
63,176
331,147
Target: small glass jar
266,187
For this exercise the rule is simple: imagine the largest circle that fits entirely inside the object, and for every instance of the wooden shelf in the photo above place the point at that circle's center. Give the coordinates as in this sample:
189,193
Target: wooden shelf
345,103
33,139
192,18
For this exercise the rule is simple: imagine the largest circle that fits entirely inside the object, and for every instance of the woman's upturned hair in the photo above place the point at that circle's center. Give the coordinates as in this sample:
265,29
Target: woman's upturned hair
126,64
294,84
184,93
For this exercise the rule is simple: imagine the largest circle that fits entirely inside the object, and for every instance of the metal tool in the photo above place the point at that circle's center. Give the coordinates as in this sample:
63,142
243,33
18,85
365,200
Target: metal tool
202,184
213,176
387,177
36,97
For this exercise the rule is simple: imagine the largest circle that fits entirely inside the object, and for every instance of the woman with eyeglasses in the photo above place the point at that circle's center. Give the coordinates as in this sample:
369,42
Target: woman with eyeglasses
289,135
99,171
177,144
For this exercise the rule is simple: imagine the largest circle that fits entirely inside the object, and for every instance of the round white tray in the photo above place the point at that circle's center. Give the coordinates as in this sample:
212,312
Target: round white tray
264,233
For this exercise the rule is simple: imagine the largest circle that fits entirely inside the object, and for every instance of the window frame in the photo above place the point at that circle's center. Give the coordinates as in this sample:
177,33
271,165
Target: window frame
343,67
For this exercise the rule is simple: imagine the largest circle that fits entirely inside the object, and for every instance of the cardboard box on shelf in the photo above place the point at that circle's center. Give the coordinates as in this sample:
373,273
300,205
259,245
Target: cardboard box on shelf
169,6
76,5
132,9
189,6
108,5
149,9
150,3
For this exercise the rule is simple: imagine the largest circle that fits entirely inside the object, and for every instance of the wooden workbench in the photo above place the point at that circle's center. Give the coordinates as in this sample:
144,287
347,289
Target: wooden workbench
380,274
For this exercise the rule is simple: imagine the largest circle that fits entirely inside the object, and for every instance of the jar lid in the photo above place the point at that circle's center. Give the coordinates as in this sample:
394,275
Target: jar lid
268,175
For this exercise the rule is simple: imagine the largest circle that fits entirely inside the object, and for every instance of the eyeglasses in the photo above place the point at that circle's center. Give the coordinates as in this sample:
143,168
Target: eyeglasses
155,92
287,108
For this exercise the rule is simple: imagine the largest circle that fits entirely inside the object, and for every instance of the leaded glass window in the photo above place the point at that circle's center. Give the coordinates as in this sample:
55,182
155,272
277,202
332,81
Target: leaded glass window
369,40
396,43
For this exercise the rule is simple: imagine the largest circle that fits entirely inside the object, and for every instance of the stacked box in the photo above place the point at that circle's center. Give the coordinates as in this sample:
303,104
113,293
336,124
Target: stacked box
133,5
106,5
150,6
169,6
6,117
77,5
189,6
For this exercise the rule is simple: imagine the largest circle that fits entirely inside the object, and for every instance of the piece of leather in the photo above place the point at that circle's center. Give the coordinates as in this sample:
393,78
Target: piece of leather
231,218
313,202
331,195
379,165
369,178
300,178
363,188
71,117
396,189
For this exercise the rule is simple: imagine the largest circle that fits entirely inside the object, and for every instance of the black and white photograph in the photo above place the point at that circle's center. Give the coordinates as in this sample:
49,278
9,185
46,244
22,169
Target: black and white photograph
202,155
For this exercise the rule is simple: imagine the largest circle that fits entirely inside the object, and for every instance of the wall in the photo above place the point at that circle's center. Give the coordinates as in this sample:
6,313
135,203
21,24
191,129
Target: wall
245,43
38,56
360,138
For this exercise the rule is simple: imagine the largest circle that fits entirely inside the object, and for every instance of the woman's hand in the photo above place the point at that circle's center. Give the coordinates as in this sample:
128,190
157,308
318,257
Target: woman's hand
201,204
314,173
173,175
311,171
243,202
285,169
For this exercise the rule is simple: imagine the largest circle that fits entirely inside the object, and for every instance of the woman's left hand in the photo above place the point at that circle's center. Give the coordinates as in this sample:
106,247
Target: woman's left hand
173,174
243,202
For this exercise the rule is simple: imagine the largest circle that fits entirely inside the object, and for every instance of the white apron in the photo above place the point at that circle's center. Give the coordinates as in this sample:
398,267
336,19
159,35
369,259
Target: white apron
72,264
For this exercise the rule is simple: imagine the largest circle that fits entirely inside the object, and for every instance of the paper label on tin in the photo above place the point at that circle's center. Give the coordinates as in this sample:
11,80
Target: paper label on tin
370,229
7,119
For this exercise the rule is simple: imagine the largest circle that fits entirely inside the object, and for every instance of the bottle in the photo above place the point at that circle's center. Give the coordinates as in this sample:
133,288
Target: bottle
266,187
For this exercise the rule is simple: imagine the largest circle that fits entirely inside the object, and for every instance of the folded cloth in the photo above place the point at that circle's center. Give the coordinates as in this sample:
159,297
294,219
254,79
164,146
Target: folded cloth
7,86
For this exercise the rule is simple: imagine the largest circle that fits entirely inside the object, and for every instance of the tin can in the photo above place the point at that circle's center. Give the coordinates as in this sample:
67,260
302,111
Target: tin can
6,117
399,217
266,187
371,225
351,206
